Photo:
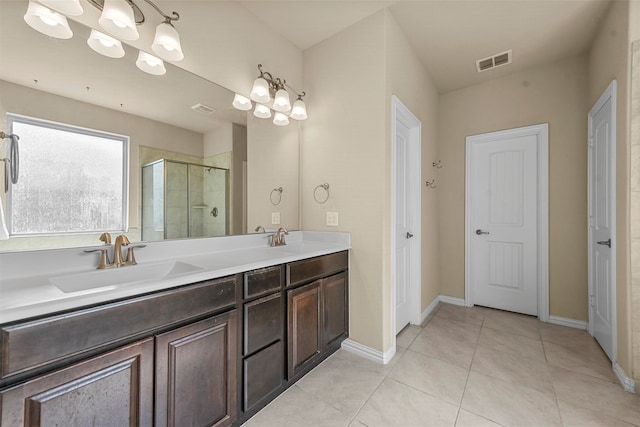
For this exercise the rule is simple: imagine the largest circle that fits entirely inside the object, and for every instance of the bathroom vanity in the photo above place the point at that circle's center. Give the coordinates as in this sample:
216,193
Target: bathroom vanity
207,347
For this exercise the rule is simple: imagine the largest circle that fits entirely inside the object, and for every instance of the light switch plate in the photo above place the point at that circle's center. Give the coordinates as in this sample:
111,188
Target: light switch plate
275,218
332,219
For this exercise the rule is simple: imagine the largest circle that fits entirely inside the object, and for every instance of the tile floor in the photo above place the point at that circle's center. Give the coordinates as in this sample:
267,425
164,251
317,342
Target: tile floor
465,367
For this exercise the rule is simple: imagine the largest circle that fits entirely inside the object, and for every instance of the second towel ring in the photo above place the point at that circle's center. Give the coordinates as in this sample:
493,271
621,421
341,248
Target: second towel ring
324,186
276,190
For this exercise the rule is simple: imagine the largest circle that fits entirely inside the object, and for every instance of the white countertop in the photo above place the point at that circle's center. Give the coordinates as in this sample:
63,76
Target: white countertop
27,279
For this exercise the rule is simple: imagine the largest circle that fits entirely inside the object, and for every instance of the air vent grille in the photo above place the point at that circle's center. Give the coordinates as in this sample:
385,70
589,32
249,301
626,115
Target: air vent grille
204,109
494,61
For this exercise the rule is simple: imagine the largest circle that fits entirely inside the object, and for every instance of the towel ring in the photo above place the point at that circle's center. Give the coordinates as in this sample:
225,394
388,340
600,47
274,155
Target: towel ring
276,190
324,186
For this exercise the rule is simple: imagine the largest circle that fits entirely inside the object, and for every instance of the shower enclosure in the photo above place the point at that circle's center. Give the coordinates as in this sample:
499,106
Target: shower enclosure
182,200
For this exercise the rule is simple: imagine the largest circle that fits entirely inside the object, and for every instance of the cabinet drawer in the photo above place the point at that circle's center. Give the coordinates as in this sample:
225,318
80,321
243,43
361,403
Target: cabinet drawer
314,268
263,374
40,342
262,322
262,281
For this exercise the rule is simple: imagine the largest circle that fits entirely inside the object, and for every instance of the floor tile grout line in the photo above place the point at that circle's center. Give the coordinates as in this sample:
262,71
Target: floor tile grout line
466,383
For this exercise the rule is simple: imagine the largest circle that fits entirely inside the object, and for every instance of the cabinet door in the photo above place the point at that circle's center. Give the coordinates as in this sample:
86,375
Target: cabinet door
263,374
196,379
304,325
114,389
335,326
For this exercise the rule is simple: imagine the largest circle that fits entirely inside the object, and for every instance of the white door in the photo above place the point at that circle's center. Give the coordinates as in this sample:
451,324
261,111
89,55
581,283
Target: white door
407,216
602,221
503,220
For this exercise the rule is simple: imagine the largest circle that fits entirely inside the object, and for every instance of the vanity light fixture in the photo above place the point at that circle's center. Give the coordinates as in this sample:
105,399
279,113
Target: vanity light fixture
267,88
150,64
105,45
118,18
47,21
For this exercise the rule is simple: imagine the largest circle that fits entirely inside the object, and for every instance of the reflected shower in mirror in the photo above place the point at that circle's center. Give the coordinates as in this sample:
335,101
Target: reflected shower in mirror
177,117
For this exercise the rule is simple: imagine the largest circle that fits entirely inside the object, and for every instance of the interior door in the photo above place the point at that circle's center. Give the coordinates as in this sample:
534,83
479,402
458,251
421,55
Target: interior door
602,221
404,230
503,221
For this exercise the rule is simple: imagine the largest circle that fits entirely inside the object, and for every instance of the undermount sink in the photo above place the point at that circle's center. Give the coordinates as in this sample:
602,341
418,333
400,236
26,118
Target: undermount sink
102,280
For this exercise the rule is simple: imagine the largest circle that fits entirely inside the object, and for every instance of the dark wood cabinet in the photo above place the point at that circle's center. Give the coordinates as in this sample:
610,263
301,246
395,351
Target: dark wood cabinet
317,312
263,335
196,381
115,388
304,320
335,297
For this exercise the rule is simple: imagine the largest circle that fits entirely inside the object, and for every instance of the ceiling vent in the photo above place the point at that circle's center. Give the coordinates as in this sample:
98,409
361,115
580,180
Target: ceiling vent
494,61
204,109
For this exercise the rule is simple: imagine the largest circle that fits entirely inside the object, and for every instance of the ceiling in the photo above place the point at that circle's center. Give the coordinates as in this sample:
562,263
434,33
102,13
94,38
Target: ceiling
450,35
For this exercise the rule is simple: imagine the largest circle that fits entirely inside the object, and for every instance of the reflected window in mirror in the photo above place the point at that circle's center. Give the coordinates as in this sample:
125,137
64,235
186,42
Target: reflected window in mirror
72,180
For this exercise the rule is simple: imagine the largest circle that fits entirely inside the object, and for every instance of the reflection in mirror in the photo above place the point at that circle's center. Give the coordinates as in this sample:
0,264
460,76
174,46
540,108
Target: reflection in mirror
177,118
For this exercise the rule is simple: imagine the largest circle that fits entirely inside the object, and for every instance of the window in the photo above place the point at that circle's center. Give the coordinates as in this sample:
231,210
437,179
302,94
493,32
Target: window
72,180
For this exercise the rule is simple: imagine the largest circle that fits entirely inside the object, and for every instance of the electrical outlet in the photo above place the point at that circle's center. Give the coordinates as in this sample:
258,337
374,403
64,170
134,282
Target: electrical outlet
275,218
332,219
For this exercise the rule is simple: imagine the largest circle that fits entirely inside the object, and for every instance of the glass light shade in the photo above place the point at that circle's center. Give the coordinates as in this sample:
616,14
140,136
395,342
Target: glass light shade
117,18
105,45
68,7
299,110
262,111
166,43
282,103
280,119
260,90
150,64
241,102
47,21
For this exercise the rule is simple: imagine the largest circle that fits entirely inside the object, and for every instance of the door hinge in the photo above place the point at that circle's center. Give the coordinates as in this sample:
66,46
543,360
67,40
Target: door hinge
590,142
592,300
592,221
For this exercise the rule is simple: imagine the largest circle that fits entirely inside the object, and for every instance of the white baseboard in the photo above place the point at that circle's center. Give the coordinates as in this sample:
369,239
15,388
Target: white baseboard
429,310
451,300
571,323
436,301
627,382
367,352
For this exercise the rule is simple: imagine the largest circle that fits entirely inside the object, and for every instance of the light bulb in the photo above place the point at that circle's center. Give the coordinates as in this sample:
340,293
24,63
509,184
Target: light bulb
47,21
105,45
260,90
241,102
299,110
262,111
67,7
166,43
282,103
150,64
117,18
280,119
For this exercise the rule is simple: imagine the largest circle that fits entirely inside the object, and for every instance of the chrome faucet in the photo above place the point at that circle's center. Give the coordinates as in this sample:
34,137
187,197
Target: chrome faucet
277,239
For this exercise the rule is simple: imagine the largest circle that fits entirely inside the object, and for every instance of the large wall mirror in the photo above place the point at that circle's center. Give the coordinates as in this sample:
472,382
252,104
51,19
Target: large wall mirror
197,167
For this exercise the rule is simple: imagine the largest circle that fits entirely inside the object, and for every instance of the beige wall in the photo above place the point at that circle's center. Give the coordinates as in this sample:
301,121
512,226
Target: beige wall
554,94
347,143
608,60
408,80
344,144
272,157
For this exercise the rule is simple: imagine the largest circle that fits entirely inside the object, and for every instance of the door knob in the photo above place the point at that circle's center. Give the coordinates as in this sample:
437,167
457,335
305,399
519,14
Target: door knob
605,242
479,232
409,235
